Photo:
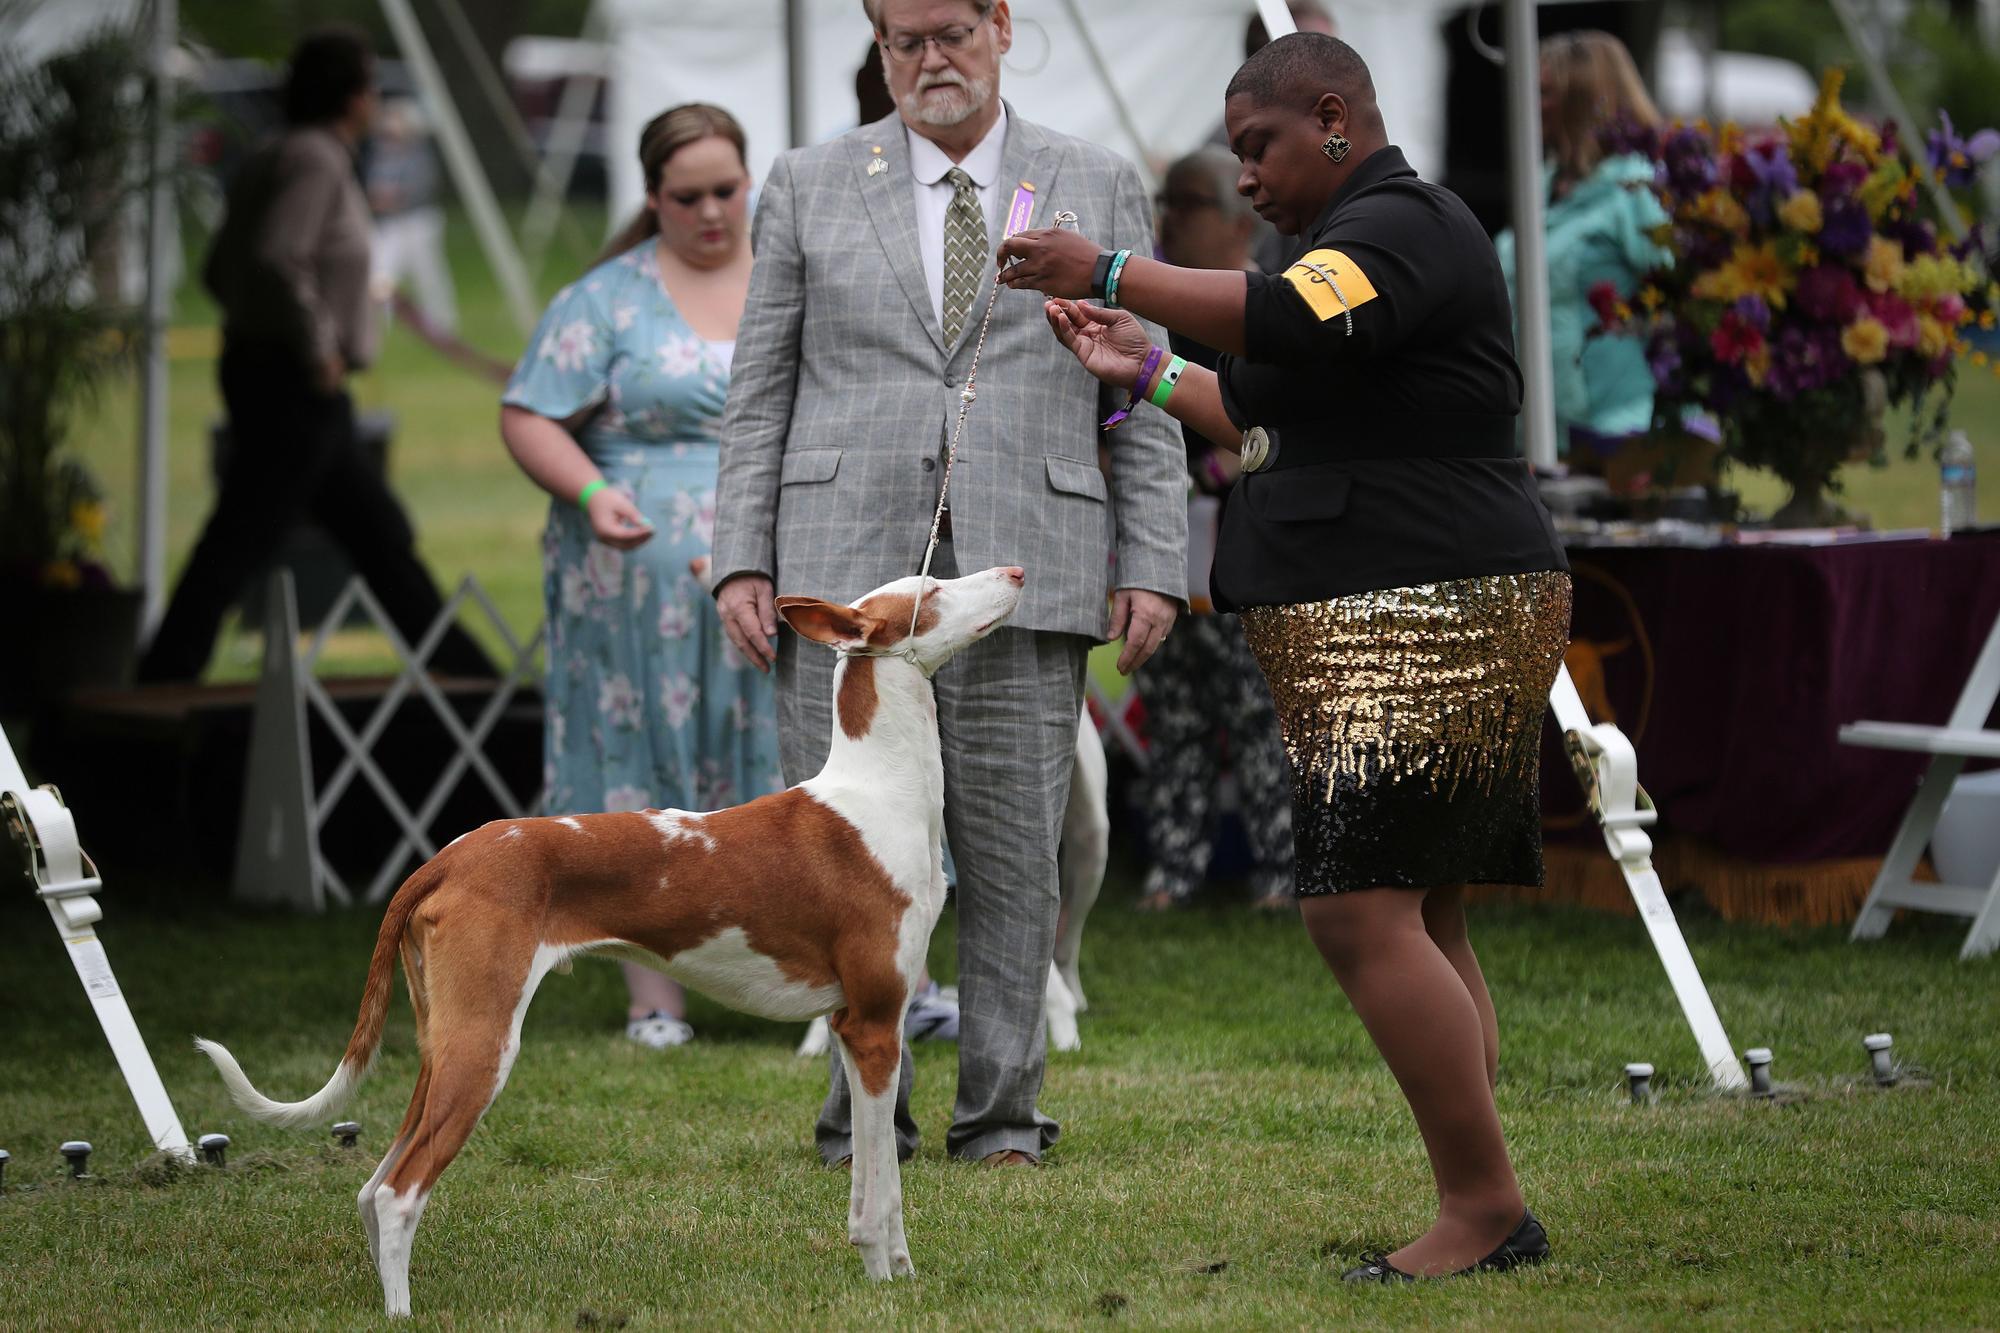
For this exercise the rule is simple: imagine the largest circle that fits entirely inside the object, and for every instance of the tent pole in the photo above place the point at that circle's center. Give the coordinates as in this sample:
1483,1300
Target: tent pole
466,172
1141,153
1531,266
1884,88
160,267
795,71
565,142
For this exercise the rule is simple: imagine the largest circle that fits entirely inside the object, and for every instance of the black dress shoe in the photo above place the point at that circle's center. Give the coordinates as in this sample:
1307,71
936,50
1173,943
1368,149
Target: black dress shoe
1526,1244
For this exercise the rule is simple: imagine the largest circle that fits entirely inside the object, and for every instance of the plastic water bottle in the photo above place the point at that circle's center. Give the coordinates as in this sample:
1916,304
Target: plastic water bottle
1958,485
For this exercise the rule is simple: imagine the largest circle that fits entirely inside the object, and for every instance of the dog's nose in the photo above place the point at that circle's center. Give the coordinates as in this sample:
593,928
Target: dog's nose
1015,575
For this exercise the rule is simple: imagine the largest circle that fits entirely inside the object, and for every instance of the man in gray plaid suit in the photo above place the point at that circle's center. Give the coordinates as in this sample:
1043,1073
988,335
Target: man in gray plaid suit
875,253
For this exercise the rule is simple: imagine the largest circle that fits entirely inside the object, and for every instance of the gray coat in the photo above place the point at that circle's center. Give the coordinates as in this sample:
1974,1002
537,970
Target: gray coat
843,396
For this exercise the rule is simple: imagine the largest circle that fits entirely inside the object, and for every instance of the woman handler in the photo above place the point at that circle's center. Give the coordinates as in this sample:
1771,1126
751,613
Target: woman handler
1397,575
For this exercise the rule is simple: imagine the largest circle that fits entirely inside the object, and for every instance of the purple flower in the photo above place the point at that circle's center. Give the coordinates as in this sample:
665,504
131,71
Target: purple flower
1775,179
1917,236
1664,359
1828,293
1958,158
1844,228
1689,160
1626,135
1753,312
1841,178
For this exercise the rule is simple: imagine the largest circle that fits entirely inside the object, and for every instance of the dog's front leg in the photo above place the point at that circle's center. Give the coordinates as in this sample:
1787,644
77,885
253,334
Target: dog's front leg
871,1052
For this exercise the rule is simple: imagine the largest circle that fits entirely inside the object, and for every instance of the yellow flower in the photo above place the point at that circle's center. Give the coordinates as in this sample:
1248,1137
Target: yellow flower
1719,209
1865,340
1801,212
88,519
1757,364
1883,266
1652,297
62,574
1978,358
1934,339
1753,270
1987,319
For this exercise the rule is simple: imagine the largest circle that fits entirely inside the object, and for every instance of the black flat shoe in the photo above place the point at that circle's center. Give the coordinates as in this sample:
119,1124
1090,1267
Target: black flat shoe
1528,1243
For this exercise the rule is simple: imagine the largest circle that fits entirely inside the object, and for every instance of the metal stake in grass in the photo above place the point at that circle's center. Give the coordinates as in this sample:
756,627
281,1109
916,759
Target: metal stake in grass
5,1157
347,1131
78,1153
1759,1060
214,1147
1639,1081
1882,1057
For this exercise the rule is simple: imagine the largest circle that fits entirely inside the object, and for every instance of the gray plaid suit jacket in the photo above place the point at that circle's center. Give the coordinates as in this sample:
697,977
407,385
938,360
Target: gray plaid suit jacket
843,396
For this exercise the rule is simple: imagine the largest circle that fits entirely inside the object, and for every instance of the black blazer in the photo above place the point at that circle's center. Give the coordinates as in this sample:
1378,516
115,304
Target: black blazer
1381,366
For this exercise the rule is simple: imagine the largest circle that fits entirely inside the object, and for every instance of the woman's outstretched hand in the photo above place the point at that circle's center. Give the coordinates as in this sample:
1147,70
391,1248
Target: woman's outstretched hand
1048,260
1111,344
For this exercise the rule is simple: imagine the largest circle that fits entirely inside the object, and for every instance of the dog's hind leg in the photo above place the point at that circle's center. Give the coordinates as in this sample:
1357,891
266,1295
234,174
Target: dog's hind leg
479,996
371,1221
1085,850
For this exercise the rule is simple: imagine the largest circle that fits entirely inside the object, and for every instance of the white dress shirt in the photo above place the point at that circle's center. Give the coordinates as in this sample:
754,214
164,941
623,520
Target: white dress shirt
928,164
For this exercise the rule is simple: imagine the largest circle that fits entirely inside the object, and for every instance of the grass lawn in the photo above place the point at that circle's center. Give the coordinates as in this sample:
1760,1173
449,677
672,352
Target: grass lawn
1228,1133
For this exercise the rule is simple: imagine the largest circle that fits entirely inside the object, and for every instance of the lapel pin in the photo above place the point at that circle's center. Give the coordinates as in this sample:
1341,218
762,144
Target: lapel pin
876,166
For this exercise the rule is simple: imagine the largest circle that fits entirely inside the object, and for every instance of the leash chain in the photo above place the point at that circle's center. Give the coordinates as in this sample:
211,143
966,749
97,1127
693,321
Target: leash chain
966,397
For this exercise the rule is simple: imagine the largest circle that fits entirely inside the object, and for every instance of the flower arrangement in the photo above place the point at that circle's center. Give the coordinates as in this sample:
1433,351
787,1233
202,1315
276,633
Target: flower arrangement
1810,289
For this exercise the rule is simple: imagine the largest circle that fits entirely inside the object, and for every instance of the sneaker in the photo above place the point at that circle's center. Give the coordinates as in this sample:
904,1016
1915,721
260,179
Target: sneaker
660,1030
933,1015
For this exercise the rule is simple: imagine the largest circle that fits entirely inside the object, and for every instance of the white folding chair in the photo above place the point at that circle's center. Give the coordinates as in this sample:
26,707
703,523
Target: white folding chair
1961,738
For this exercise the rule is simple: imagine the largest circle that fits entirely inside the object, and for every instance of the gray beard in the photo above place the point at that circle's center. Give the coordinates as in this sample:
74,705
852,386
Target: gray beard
973,97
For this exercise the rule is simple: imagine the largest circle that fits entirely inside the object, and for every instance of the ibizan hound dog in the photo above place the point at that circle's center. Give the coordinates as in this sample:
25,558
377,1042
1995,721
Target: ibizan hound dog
1080,862
818,899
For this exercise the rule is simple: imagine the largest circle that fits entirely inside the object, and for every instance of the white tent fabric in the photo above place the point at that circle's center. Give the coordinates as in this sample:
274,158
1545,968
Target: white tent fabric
1170,60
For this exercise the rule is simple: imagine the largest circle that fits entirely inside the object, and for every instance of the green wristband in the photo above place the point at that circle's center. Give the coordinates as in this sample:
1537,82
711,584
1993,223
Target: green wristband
583,496
1168,379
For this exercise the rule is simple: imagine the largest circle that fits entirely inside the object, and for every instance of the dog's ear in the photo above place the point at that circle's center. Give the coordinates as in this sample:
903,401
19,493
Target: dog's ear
826,622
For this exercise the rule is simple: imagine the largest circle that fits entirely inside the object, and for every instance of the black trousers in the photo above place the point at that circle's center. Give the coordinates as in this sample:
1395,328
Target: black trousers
295,456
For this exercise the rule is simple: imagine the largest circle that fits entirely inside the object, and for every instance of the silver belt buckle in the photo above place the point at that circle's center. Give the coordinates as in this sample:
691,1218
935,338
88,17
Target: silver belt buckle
1257,453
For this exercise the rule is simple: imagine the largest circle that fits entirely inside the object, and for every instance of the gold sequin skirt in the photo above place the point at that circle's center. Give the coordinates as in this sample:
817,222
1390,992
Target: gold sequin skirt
1413,721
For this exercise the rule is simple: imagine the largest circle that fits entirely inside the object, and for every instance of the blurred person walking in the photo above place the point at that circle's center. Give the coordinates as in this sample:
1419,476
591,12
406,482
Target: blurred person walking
290,267
1203,693
614,411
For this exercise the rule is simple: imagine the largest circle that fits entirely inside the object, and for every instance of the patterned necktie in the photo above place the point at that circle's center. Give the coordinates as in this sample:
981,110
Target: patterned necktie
964,252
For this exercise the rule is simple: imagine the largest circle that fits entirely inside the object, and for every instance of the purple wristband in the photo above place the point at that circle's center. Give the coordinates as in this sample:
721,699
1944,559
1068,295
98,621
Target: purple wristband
1145,373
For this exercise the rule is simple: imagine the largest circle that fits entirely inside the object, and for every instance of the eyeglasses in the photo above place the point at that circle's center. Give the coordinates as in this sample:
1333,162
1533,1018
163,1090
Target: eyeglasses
1174,201
906,47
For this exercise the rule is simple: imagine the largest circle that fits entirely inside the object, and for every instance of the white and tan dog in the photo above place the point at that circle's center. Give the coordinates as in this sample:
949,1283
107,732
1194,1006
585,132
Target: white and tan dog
818,899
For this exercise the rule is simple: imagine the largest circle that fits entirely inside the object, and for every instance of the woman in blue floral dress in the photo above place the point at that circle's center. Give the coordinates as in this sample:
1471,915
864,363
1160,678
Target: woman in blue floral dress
614,410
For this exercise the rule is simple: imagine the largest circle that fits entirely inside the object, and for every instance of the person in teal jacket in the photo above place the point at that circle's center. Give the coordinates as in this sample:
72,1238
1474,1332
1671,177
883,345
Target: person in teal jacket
1600,224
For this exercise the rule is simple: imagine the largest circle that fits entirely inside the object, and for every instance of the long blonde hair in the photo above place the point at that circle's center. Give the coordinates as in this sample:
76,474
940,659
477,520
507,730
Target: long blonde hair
664,135
1593,83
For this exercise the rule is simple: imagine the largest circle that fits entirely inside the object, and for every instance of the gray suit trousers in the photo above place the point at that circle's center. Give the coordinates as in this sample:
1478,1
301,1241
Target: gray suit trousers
1007,709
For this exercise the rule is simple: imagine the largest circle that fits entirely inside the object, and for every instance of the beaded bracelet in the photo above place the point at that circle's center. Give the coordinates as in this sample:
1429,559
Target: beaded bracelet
1111,278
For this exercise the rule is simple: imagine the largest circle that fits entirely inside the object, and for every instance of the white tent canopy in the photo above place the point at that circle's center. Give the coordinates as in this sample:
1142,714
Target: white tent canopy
1169,61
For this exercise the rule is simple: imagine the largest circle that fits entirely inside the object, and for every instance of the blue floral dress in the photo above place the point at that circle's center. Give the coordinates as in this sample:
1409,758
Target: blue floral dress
648,704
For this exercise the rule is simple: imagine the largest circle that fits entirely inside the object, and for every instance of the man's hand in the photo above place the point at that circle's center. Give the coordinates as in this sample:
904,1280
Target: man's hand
750,618
329,374
1142,619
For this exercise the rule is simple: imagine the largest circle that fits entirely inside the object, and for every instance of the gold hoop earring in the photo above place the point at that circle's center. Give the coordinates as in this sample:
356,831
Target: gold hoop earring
1336,146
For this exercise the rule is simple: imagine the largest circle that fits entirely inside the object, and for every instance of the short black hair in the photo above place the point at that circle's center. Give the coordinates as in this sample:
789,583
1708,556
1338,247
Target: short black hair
1300,66
328,67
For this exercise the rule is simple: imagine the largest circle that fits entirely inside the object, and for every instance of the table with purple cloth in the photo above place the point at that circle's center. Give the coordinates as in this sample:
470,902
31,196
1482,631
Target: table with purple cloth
1732,669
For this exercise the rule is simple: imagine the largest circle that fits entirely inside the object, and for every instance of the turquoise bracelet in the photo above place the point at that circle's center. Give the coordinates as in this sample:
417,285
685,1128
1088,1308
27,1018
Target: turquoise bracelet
1111,278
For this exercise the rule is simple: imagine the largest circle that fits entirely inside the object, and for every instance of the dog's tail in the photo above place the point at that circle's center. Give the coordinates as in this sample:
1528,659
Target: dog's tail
367,1038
